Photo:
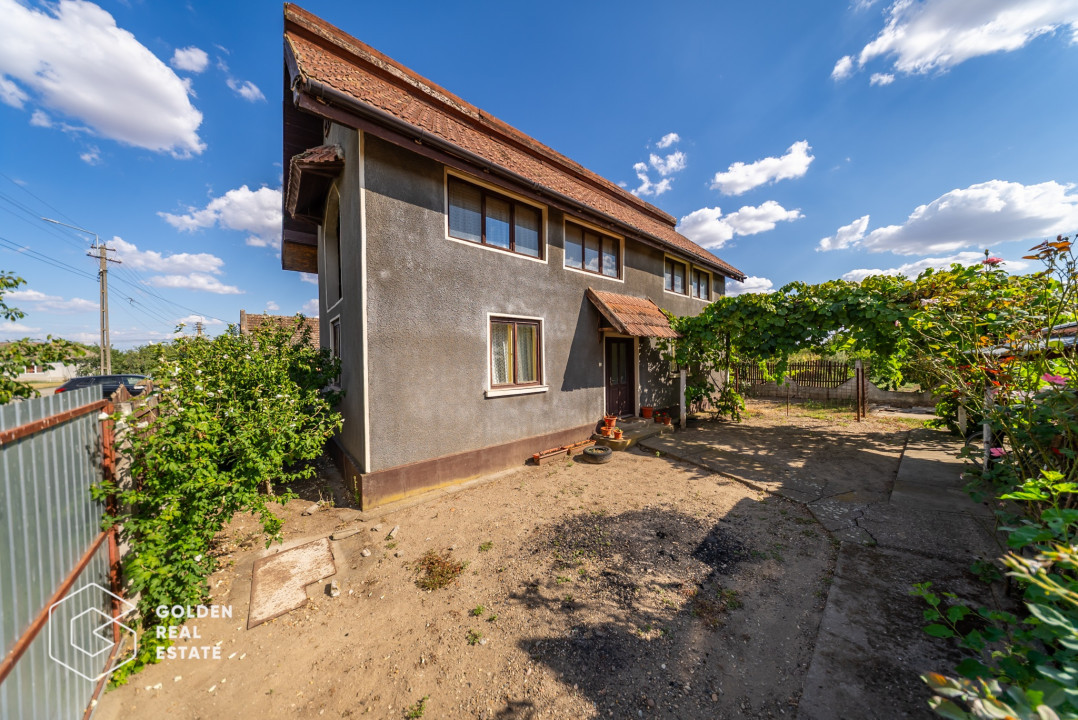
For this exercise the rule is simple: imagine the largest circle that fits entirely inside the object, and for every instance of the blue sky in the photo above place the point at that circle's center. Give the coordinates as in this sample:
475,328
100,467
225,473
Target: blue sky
797,140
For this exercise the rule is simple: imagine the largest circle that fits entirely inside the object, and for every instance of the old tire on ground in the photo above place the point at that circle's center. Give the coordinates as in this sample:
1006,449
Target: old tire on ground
598,454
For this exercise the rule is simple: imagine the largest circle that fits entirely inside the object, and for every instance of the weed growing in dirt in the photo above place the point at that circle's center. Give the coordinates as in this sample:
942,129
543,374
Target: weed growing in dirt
437,571
474,636
561,580
493,618
416,711
391,544
712,612
485,547
478,610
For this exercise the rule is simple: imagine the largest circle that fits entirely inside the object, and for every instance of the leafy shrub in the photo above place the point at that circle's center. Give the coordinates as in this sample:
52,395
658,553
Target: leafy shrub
238,415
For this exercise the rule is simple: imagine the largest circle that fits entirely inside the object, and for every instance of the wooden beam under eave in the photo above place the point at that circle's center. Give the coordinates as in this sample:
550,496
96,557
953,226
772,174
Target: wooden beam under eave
299,257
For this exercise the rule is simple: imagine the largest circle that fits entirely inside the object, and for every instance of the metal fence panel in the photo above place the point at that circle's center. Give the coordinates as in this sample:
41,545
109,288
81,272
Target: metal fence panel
47,523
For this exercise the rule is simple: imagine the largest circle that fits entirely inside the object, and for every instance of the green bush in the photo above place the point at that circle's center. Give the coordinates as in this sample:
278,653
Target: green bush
239,414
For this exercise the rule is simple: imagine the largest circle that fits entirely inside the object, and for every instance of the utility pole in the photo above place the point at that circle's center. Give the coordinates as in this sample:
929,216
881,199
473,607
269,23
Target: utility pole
198,328
100,252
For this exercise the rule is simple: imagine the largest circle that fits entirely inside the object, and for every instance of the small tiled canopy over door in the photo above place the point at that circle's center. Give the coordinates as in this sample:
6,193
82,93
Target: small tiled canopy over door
620,381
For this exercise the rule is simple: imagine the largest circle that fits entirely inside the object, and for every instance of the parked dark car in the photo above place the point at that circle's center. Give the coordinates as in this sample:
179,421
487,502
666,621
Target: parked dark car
108,383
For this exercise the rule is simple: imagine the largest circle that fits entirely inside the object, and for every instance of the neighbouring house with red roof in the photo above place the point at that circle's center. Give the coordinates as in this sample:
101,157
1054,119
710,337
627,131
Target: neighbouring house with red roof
251,321
488,297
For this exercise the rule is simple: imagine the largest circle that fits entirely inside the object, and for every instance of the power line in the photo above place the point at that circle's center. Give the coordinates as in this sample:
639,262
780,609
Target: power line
138,281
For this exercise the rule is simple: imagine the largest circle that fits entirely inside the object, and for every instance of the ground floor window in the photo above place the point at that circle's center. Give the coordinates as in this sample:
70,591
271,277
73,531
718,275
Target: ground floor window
515,352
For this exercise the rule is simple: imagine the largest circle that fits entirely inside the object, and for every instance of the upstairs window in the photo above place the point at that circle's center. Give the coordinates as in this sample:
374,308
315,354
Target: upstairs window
674,277
700,286
592,252
487,218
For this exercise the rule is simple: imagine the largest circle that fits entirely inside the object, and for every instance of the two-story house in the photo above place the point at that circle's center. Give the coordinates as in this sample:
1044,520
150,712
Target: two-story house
488,297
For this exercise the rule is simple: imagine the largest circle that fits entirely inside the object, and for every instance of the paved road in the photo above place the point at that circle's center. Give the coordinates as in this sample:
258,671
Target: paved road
902,517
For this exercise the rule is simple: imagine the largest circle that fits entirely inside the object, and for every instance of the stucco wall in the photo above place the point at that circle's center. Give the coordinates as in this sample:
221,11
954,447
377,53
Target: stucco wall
348,308
428,305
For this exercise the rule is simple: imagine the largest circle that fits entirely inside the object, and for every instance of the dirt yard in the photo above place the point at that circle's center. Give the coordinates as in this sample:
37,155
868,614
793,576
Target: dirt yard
639,588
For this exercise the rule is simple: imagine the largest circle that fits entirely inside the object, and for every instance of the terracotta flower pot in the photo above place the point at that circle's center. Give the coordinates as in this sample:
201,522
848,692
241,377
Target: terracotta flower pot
610,420
667,420
646,411
617,433
606,430
658,418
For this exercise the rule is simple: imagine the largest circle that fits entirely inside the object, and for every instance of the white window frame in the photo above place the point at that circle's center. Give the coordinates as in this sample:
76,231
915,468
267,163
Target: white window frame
542,387
325,275
596,229
334,348
543,235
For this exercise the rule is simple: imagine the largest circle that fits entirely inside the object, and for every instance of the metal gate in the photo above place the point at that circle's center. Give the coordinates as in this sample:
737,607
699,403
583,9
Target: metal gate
58,569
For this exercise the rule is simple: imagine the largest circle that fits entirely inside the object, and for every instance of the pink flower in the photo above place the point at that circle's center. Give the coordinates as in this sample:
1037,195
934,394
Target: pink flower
1054,379
997,452
993,261
898,324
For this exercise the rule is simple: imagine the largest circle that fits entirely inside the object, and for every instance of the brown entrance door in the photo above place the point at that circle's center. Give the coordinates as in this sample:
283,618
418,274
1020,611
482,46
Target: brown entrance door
619,376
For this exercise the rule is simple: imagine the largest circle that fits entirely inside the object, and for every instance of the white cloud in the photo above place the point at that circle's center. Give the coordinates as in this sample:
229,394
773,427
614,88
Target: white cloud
41,302
310,308
92,156
311,278
672,163
647,187
195,281
191,59
11,94
79,63
665,165
191,320
16,330
750,220
152,260
257,212
740,178
709,228
843,68
881,79
981,215
667,140
846,235
40,119
914,269
246,90
752,284
936,35
272,306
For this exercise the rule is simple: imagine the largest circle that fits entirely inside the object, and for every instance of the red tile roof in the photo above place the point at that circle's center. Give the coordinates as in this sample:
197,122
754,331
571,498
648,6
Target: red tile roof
249,321
630,315
325,54
322,163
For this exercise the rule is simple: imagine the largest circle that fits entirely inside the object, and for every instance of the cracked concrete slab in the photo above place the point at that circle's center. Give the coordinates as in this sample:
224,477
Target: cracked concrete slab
870,652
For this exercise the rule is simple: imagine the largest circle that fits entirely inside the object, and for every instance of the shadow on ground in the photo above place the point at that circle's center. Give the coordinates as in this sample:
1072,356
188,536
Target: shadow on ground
677,616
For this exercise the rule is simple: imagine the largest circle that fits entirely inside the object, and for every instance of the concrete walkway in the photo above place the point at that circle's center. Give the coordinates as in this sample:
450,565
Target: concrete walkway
895,529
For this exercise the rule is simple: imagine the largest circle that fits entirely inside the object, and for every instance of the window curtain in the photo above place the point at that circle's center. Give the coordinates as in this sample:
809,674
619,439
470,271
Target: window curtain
527,231
527,356
465,212
501,353
497,222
